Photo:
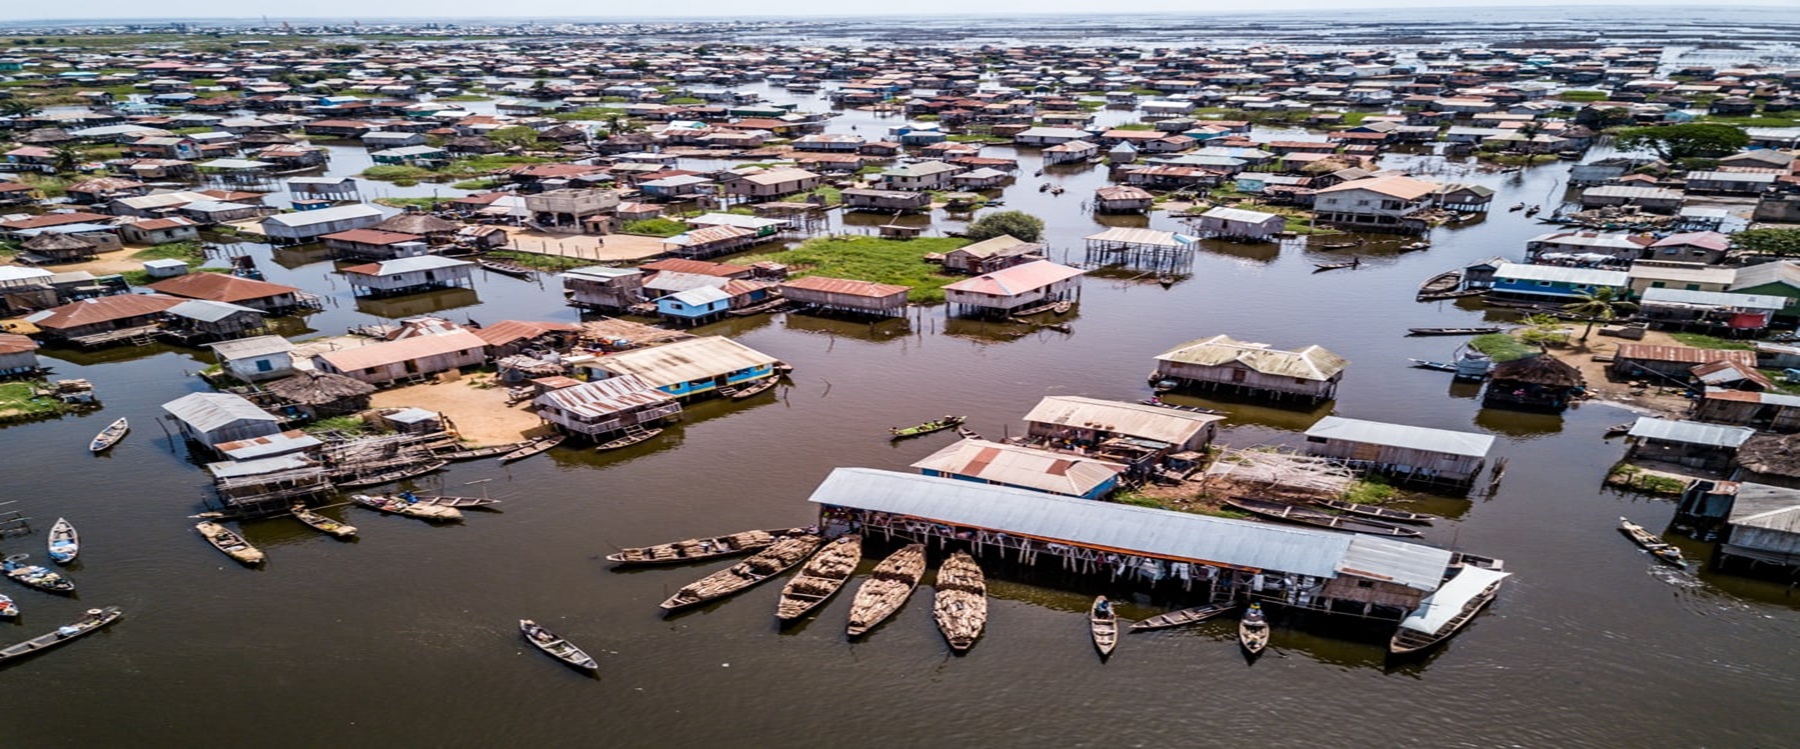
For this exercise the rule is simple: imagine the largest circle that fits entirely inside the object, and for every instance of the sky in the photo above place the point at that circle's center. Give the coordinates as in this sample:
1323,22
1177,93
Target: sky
23,10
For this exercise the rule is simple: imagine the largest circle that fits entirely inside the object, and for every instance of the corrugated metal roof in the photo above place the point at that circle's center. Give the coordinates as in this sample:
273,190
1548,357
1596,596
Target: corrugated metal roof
208,411
1312,362
243,348
845,286
1691,432
257,466
1714,299
206,310
1562,274
286,442
1022,466
1137,530
601,273
1400,435
1773,508
408,265
1240,215
1131,419
1145,237
323,215
1017,279
405,349
701,295
685,361
601,398
1682,354
1439,608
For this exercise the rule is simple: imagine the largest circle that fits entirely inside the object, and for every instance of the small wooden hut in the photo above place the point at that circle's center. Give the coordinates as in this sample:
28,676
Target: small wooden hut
320,395
1535,383
54,247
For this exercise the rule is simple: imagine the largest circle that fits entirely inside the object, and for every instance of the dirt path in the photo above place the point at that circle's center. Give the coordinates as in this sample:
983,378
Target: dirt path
480,414
1659,400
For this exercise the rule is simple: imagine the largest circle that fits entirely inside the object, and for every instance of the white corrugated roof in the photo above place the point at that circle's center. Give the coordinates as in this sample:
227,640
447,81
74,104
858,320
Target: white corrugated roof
1130,419
1691,432
1439,608
323,215
1400,435
1562,274
1138,530
1022,466
208,411
1714,298
685,361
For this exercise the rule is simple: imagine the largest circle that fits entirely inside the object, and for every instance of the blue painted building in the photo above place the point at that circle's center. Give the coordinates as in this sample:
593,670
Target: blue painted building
694,306
691,367
1557,282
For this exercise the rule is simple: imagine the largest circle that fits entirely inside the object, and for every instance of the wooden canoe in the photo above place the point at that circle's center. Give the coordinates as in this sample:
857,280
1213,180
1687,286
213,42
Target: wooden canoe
506,268
1253,630
400,506
887,589
1407,640
534,447
321,523
1309,516
1372,511
231,543
1657,547
395,474
959,601
438,500
947,422
8,609
779,557
64,543
1477,330
1103,626
1332,266
1194,615
35,576
109,436
558,648
90,622
822,577
628,439
754,389
699,549
475,453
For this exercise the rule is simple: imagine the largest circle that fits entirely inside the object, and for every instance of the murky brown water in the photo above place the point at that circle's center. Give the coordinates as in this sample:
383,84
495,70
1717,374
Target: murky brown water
405,637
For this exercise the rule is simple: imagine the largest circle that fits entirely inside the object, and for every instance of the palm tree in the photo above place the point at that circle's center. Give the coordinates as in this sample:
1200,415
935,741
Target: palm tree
18,108
66,158
1601,305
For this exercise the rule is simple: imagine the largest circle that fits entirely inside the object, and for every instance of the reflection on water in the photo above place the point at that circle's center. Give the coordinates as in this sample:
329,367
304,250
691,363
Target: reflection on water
413,305
877,330
1521,424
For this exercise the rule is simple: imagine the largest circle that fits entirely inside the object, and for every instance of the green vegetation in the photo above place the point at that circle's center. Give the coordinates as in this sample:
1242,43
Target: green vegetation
893,261
19,401
1602,305
1674,142
50,186
1135,126
1582,96
1633,477
1701,340
974,138
1019,224
346,424
539,261
462,97
654,227
1369,491
460,169
410,202
1764,120
1516,159
1136,500
827,193
685,100
190,251
1501,347
1782,242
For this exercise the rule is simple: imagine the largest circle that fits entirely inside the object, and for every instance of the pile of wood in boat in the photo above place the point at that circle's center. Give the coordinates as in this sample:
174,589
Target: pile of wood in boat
887,588
784,553
960,604
822,576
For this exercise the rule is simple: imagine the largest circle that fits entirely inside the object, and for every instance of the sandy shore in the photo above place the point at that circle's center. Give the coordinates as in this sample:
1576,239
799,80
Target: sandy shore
480,414
613,247
1660,401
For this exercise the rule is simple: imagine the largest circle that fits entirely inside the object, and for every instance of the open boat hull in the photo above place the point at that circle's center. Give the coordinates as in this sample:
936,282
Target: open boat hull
1307,516
64,543
1183,617
779,557
92,622
699,549
556,647
109,436
1103,626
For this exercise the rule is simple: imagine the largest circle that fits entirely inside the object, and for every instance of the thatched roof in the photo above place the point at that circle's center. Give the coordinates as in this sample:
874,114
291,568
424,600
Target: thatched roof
417,223
1543,370
1771,454
56,242
319,388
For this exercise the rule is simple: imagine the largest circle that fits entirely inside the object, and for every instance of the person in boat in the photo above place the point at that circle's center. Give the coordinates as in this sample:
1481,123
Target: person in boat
1356,262
408,496
1104,608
